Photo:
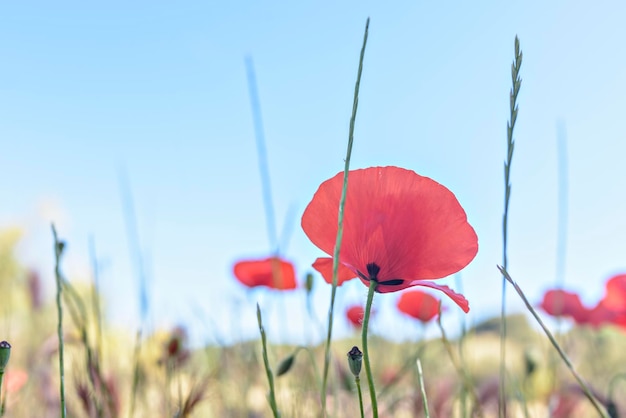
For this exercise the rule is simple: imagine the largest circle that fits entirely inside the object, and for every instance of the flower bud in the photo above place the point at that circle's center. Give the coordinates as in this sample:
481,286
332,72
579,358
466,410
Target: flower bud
285,365
355,359
5,353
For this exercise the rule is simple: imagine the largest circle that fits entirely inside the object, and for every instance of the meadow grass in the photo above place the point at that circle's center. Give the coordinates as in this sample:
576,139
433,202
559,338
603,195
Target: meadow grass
500,367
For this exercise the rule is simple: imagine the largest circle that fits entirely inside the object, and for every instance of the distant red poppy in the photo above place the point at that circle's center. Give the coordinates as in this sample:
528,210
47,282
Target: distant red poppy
14,380
400,230
559,302
419,305
272,272
600,315
615,296
355,315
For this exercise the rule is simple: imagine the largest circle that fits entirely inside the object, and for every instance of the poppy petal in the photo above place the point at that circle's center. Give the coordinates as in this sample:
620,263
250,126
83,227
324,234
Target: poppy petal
272,272
355,315
324,265
419,305
559,302
408,225
458,298
615,296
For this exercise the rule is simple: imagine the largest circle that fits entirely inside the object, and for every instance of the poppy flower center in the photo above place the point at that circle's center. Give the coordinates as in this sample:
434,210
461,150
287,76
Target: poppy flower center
372,274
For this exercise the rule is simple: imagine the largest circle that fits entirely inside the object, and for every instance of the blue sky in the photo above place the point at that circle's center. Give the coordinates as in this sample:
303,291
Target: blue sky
158,91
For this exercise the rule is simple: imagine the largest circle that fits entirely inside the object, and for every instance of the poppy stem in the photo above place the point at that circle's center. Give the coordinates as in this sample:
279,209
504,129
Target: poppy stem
366,356
357,380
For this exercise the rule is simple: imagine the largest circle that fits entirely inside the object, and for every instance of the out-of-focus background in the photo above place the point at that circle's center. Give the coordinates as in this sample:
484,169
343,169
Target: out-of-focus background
129,126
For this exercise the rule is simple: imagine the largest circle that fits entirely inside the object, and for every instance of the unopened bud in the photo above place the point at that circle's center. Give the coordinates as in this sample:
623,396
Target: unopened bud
5,353
285,365
355,359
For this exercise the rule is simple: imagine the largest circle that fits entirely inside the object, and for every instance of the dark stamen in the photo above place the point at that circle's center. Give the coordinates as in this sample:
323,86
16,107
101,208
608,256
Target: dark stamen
373,270
393,282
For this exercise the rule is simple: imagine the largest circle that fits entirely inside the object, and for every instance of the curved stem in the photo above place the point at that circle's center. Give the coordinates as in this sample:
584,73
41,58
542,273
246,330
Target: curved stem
366,356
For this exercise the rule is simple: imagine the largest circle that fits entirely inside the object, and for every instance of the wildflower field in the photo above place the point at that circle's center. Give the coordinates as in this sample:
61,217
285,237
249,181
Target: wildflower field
401,235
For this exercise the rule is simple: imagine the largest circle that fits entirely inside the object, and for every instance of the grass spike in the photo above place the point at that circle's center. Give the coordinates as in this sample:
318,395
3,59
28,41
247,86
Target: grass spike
342,203
516,85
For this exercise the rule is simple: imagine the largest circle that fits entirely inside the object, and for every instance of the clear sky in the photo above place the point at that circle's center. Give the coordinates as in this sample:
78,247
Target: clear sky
158,91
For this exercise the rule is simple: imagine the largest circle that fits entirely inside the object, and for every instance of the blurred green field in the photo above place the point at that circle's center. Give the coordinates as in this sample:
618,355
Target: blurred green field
173,380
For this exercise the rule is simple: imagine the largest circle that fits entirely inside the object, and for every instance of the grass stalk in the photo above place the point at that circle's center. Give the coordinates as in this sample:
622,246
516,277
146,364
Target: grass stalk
517,82
78,313
466,380
266,363
58,251
264,171
135,385
95,295
408,365
420,376
366,355
585,388
342,203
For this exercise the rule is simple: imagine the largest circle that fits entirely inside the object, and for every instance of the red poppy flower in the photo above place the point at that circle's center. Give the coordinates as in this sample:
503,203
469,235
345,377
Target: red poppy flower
558,302
272,272
400,230
615,296
355,315
419,305
600,315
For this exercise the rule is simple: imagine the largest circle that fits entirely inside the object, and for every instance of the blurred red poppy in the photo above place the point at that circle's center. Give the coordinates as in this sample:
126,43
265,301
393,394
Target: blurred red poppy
400,230
614,300
355,315
600,315
272,272
14,380
615,296
419,305
558,302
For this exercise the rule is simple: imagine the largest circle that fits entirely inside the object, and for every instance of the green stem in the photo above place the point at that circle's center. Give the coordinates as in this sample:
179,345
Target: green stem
2,398
366,356
58,250
342,204
357,380
266,363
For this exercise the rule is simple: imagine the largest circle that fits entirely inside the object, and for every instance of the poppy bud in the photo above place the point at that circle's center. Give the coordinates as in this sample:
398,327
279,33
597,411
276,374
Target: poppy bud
5,353
285,365
611,408
355,358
